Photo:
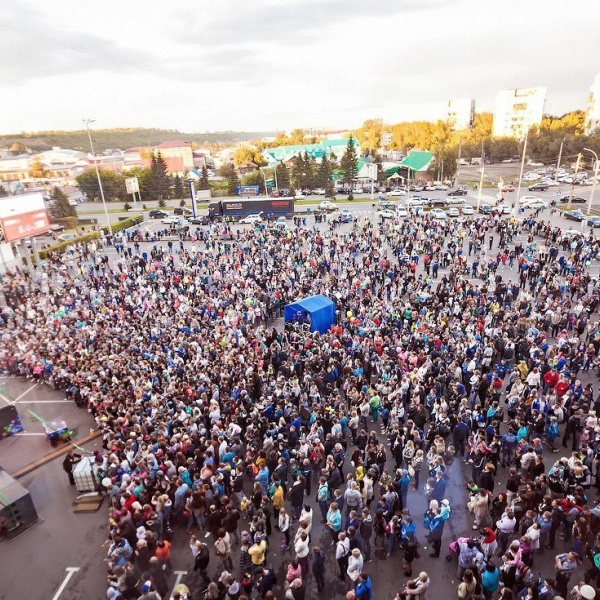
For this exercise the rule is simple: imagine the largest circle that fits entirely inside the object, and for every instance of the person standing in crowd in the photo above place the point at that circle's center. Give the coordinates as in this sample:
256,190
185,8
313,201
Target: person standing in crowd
70,460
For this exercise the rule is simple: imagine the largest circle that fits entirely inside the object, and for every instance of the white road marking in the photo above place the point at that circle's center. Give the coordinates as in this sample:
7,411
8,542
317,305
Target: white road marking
44,401
25,392
63,585
3,397
180,575
27,433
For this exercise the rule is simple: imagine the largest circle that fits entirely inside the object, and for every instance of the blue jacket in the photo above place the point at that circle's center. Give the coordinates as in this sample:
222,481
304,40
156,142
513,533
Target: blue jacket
363,589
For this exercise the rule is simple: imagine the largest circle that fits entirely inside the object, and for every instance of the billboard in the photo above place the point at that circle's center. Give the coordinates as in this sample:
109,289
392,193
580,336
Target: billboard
23,216
132,185
247,190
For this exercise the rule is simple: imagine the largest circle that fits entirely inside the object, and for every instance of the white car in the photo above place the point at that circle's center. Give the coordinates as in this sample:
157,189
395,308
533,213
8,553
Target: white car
438,213
401,212
171,220
415,201
453,212
537,203
526,201
281,223
251,219
387,213
502,209
346,216
396,192
455,200
467,209
319,191
327,205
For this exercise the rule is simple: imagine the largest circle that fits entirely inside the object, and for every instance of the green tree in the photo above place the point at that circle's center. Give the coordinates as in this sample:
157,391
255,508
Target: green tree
283,176
177,187
203,183
113,185
59,206
162,203
126,206
324,172
349,163
229,173
159,177
143,176
254,178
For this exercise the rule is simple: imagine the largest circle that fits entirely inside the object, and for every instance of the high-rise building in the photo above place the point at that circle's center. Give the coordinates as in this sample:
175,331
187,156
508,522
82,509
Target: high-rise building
517,110
592,121
461,113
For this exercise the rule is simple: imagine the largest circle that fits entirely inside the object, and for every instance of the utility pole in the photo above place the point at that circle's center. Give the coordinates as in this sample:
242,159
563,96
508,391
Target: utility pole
87,124
480,186
458,164
559,156
516,209
574,179
596,168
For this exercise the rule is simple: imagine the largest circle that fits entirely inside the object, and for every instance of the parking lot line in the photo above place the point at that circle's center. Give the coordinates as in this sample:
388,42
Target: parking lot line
25,392
70,571
45,401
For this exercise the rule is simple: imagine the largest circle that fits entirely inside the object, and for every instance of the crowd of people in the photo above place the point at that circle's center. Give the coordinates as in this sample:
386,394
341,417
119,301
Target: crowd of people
218,424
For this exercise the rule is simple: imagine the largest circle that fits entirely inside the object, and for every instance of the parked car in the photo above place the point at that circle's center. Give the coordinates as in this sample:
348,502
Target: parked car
66,237
593,222
252,219
397,192
401,212
387,213
415,201
453,212
502,209
416,188
346,216
281,223
158,214
485,209
458,192
467,209
327,205
456,200
172,220
532,202
197,220
574,200
438,202
438,213
319,191
181,210
574,215
538,187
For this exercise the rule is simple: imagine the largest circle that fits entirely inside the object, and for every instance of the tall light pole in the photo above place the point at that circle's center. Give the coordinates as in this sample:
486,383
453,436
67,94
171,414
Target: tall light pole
516,209
87,124
596,167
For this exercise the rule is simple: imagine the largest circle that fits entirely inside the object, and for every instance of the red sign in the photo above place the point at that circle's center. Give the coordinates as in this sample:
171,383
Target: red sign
25,225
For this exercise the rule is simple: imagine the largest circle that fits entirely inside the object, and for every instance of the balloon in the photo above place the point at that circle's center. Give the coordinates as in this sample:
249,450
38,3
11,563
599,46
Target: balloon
106,482
349,314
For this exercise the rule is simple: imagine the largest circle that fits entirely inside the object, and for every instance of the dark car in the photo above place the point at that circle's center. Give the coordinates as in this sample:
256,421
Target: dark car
457,192
593,222
538,187
574,200
198,220
485,209
574,215
438,202
181,210
158,214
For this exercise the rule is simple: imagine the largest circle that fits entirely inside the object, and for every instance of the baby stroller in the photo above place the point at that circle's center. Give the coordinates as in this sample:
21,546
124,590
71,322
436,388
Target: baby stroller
453,548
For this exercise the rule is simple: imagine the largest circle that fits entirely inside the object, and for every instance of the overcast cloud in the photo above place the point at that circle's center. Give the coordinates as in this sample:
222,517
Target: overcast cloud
201,65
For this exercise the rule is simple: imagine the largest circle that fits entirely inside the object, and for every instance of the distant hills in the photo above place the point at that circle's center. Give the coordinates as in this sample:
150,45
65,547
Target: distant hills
123,138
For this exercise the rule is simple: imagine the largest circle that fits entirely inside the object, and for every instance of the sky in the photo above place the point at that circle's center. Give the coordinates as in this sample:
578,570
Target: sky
274,65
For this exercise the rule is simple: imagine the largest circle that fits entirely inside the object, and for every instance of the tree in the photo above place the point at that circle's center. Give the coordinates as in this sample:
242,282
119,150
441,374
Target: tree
324,172
37,170
349,163
59,206
370,135
159,177
17,148
113,185
126,206
254,178
203,183
178,187
243,154
283,176
3,191
229,173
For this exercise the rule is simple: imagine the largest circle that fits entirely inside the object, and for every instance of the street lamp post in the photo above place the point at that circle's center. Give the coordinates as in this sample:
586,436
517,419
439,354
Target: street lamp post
516,209
87,124
596,167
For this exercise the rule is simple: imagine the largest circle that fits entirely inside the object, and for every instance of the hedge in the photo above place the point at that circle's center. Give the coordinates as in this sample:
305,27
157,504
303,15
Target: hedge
88,237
